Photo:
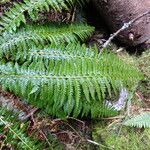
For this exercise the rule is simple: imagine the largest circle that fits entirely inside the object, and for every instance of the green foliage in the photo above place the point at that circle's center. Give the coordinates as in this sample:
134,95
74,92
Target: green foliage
15,133
16,15
139,121
72,81
52,33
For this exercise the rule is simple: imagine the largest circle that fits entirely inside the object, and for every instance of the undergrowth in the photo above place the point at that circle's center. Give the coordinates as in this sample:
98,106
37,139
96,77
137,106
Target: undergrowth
47,65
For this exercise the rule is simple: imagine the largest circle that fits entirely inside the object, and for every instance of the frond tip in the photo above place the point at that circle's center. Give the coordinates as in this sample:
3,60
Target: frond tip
139,121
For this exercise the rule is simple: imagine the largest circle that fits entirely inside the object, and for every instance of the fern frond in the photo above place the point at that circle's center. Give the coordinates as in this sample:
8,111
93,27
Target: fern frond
15,16
139,121
64,86
16,135
41,35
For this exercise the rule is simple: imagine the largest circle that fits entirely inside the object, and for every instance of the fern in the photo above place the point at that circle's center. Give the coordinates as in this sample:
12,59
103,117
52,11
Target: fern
64,86
41,35
13,18
141,120
15,132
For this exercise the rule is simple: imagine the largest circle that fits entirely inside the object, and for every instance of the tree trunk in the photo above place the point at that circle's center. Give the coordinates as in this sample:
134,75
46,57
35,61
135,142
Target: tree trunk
118,12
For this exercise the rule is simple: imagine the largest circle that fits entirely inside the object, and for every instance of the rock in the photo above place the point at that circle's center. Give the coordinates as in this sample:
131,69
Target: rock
118,12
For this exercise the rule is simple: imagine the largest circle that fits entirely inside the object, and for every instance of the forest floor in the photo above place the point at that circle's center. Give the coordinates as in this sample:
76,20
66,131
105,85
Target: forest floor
103,134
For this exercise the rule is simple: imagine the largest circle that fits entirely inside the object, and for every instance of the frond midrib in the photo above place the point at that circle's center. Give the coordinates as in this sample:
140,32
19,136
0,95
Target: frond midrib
73,77
61,55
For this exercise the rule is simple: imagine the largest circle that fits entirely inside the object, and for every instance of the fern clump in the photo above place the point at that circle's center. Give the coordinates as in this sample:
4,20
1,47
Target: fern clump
52,33
15,133
69,86
63,80
16,15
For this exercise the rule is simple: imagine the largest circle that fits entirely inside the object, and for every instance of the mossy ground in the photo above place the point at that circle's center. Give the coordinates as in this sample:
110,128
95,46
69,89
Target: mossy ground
117,137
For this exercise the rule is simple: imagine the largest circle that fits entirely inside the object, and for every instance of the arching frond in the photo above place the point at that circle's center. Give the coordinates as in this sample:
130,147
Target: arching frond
139,121
15,16
41,35
64,86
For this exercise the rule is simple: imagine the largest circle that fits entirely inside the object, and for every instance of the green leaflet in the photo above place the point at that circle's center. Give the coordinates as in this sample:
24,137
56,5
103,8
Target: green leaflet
58,82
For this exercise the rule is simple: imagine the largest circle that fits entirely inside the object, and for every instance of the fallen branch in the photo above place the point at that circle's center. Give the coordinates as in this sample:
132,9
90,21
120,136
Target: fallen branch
125,26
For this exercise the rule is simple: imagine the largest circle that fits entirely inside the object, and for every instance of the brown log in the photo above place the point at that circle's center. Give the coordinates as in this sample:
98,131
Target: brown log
118,12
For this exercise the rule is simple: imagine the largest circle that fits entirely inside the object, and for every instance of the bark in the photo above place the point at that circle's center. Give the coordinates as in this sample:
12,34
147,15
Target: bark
118,12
